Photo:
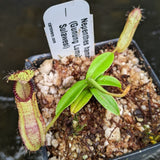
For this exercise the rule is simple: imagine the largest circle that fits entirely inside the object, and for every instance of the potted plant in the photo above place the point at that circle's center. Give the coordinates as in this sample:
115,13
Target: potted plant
87,130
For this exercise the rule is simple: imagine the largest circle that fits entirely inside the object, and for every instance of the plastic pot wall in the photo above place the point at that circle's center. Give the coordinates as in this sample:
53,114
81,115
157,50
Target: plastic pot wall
148,153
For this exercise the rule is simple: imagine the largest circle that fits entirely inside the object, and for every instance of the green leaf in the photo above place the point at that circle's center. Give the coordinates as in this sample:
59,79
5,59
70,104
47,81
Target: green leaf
108,81
81,100
106,101
100,64
93,84
69,97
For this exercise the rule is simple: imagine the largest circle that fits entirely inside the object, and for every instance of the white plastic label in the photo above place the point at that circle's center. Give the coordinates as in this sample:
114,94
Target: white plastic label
69,29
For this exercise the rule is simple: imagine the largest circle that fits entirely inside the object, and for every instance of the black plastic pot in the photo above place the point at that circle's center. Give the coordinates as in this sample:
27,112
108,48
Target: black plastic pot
151,152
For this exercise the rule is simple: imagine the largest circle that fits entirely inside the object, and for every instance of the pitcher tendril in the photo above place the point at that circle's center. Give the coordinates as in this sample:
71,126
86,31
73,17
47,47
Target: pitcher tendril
129,29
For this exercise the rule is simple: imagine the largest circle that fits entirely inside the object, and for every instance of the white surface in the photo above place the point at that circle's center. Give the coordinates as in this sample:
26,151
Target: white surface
66,30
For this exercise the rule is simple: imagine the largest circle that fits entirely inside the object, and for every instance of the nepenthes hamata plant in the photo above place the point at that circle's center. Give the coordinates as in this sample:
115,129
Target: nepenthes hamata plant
31,124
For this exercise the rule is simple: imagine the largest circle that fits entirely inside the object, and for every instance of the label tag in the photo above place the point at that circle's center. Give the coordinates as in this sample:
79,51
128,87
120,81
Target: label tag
69,29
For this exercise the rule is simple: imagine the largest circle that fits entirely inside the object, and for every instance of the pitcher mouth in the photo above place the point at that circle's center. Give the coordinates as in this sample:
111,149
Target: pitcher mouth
23,92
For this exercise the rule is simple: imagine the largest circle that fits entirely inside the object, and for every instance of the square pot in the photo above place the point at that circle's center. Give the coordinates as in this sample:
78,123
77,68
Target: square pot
146,153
